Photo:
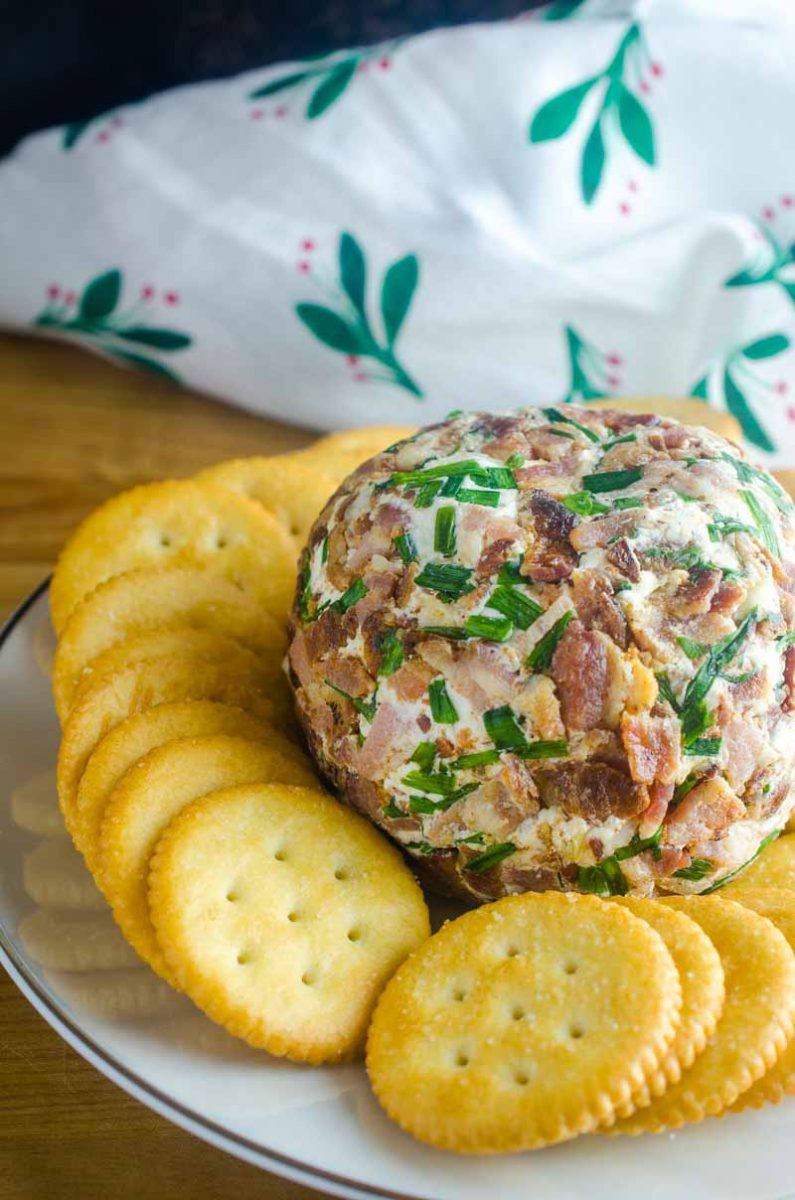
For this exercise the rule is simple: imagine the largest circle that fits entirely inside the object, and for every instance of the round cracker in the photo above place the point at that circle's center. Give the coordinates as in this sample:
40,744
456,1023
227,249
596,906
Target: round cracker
511,1024
778,905
703,991
68,941
151,599
205,644
55,876
127,994
775,867
281,914
687,409
143,686
756,1023
196,524
150,795
288,486
139,734
786,477
338,454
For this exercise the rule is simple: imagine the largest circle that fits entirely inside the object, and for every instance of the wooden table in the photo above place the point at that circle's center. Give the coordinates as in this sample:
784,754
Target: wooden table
73,430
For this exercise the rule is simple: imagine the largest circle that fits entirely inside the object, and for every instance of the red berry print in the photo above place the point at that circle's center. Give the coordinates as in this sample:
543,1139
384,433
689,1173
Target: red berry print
624,208
615,360
171,297
768,213
613,381
632,186
280,112
351,359
53,291
782,387
257,114
384,63
308,245
103,135
360,377
787,201
147,292
644,87
70,298
304,267
791,414
656,69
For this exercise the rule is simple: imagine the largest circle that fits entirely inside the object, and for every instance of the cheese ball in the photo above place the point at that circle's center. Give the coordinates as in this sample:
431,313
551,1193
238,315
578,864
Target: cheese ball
554,649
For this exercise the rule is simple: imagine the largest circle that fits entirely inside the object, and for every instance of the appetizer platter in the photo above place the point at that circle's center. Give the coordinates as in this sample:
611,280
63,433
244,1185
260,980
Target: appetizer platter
421,799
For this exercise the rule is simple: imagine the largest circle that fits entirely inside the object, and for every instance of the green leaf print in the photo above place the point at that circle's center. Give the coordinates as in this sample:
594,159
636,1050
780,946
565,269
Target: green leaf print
588,369
95,317
328,328
593,161
397,292
766,347
739,407
332,87
732,379
353,272
766,266
556,117
618,102
328,76
561,10
100,296
72,134
636,125
347,329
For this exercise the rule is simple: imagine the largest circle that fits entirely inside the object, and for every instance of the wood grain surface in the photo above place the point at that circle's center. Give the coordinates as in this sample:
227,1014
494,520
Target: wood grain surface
74,430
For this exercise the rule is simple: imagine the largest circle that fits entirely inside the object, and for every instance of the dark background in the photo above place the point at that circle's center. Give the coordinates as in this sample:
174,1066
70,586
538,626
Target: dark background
64,60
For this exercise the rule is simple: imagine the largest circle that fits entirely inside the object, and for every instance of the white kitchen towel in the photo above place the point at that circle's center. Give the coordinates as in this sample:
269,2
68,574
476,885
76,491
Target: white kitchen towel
596,198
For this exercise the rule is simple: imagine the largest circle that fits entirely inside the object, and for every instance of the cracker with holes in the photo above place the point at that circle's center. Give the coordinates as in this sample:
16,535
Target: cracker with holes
341,453
282,914
288,486
206,644
139,734
150,600
157,788
778,905
754,1027
775,867
143,686
196,524
703,990
511,1024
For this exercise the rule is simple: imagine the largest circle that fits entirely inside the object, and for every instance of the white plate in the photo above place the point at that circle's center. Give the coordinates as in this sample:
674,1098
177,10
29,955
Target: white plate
321,1126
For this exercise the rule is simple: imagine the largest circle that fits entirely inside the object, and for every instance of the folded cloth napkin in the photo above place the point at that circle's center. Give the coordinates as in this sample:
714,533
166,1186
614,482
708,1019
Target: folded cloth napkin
595,199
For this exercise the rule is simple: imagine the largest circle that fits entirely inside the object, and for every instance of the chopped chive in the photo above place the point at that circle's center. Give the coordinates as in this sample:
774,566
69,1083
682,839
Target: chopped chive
612,481
424,755
558,748
391,810
688,499
747,473
686,557
693,649
763,845
472,839
619,441
540,657
434,783
510,572
427,494
666,690
454,412
422,847
637,845
456,633
719,658
391,648
564,433
352,595
623,585
786,639
520,609
741,678
605,879
687,785
557,418
627,502
429,474
444,531
421,804
406,547
366,708
478,496
698,868
324,550
493,477
481,758
490,858
516,460
495,629
452,486
305,597
704,747
584,504
503,728
443,710
762,521
448,581
723,526
696,720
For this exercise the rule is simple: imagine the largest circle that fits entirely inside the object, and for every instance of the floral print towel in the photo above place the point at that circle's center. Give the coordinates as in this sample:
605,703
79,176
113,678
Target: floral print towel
597,198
